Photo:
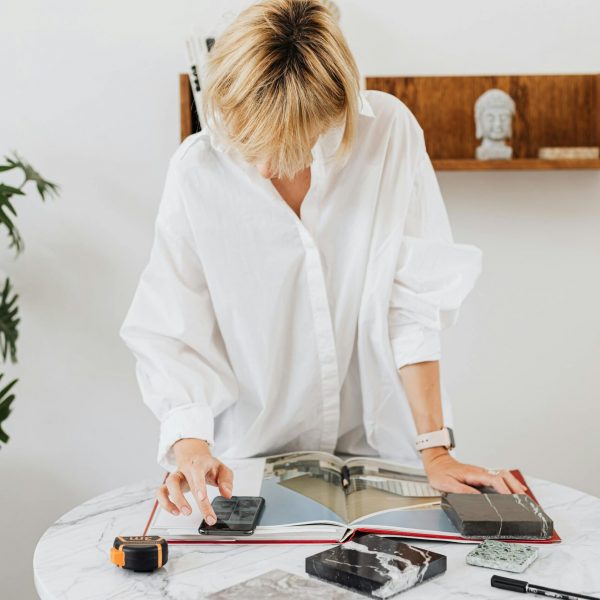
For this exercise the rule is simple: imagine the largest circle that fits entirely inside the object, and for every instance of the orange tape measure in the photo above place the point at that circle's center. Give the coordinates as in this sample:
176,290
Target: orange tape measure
139,552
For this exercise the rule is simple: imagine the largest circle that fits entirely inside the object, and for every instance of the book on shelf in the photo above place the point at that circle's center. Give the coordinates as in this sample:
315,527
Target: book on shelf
197,48
322,498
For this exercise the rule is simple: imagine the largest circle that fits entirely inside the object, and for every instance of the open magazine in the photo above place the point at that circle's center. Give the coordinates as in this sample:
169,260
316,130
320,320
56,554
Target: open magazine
319,497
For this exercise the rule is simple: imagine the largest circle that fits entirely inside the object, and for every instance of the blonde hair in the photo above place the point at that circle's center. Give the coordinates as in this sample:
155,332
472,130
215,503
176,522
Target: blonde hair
278,76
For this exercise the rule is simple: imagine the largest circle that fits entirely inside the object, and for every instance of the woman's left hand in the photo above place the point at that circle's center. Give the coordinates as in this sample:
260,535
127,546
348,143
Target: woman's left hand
446,474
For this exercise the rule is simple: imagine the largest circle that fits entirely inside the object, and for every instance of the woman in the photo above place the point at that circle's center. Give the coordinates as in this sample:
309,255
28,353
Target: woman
302,269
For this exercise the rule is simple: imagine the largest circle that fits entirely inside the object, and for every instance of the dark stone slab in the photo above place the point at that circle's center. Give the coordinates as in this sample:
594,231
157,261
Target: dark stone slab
497,516
376,566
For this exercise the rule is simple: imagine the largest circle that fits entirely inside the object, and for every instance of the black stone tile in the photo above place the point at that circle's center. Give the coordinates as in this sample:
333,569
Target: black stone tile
376,566
497,516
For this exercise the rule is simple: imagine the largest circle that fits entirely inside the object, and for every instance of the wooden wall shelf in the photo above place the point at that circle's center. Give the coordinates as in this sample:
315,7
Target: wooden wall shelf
518,164
552,110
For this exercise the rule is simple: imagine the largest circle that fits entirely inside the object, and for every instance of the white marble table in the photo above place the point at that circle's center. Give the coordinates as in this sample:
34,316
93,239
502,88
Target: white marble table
71,559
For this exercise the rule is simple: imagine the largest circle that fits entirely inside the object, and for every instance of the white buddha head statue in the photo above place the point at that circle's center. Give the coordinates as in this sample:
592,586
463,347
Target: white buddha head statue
494,111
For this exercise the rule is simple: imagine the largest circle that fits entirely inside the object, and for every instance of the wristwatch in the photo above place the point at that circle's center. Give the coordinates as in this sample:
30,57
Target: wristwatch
443,437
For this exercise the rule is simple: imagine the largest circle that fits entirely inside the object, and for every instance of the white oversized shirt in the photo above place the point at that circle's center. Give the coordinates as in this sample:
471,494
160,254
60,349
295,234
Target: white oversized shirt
262,332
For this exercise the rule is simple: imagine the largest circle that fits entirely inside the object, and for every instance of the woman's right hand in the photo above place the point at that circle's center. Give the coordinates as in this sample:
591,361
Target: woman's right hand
196,467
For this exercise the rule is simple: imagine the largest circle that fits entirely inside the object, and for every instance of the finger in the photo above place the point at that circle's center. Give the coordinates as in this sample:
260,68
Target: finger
453,486
198,485
513,483
498,483
478,476
176,493
162,495
460,488
225,481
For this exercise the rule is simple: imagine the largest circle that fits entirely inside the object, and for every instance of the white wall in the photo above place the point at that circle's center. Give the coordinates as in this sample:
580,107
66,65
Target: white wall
89,96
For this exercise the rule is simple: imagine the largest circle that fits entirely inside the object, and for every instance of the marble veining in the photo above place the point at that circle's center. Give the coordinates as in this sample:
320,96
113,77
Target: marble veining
487,497
71,559
379,566
528,504
280,585
495,516
397,579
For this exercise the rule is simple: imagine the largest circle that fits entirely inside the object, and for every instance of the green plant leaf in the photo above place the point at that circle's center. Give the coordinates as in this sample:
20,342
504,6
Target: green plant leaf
9,323
9,311
44,187
6,399
8,190
7,212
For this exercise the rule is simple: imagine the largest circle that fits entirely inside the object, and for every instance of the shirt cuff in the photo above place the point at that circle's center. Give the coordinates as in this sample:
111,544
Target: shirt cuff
416,345
188,421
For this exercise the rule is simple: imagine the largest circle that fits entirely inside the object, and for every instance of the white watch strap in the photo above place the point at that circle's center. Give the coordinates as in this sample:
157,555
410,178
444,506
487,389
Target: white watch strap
434,439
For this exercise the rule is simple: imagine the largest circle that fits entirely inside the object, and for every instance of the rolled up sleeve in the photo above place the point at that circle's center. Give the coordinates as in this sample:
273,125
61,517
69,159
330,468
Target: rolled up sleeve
182,366
433,276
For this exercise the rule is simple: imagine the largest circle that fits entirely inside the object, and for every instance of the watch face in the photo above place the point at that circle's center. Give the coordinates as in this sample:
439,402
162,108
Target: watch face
451,434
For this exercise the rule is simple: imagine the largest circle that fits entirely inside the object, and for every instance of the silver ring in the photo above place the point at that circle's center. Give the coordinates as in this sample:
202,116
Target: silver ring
493,472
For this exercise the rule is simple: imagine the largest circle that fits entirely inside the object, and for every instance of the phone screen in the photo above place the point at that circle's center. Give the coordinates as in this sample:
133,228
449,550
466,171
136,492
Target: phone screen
237,515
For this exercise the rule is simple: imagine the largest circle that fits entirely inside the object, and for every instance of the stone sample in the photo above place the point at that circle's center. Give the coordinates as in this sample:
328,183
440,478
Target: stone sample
502,555
279,585
497,516
376,566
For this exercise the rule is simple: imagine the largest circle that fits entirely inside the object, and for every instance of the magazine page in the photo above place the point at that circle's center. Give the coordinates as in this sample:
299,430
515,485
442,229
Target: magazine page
429,521
303,487
377,485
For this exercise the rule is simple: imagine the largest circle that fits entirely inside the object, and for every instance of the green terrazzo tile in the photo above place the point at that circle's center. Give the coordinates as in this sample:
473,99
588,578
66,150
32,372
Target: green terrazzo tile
502,555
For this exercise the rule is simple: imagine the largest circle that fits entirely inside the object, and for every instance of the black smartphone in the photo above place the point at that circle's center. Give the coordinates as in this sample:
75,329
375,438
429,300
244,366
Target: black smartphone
237,515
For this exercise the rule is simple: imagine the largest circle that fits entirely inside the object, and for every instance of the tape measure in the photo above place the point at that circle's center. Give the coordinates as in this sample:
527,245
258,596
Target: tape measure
139,552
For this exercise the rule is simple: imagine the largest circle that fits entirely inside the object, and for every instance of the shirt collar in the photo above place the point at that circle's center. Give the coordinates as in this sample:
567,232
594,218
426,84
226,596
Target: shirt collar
365,107
331,139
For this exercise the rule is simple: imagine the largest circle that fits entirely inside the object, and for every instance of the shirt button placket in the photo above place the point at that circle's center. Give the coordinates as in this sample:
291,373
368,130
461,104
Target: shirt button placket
322,317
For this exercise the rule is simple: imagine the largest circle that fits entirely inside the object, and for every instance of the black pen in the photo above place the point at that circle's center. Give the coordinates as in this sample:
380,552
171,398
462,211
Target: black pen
517,585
